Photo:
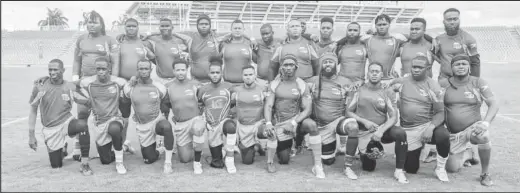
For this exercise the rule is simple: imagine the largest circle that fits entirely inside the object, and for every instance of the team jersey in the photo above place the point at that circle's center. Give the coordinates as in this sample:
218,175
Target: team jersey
352,59
131,52
383,50
103,97
216,100
166,52
201,48
146,100
304,52
183,99
54,101
418,100
410,50
373,103
288,96
235,55
88,49
249,103
322,47
264,54
462,105
330,104
446,47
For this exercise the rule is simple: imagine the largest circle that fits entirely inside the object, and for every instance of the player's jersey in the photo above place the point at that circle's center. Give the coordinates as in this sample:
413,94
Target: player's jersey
201,49
89,49
55,102
372,103
235,56
103,97
417,100
146,100
265,53
288,96
322,47
216,100
183,99
304,52
166,52
352,59
383,50
462,105
409,51
446,47
131,53
330,104
249,103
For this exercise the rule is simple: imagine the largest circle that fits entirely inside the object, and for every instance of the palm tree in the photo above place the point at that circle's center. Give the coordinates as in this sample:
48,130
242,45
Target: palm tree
85,19
119,22
54,18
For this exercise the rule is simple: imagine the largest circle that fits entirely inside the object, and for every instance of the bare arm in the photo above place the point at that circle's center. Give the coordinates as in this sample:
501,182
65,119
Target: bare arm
76,65
351,108
114,56
268,107
391,109
306,106
274,65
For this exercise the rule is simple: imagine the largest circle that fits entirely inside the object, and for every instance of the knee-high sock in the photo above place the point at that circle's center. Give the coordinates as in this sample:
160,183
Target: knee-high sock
352,146
315,142
271,150
484,152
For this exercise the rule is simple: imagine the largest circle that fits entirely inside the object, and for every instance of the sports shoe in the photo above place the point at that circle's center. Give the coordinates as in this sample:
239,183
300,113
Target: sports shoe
85,170
299,150
127,147
350,173
120,167
271,168
400,177
197,168
485,180
441,174
293,152
167,168
431,157
230,165
317,170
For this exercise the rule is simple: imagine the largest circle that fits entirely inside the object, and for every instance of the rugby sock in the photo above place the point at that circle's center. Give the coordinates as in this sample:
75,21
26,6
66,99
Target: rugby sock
231,141
84,141
352,145
271,150
441,161
315,143
77,146
119,155
168,156
199,142
484,152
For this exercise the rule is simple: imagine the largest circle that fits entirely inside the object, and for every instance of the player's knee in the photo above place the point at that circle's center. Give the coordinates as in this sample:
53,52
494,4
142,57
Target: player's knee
347,127
480,139
261,133
229,127
454,163
328,153
442,135
309,126
198,127
185,157
150,155
164,127
248,155
412,161
115,128
399,133
56,158
328,161
106,155
284,151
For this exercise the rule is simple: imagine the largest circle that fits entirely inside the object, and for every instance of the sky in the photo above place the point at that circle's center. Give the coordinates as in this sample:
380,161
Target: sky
24,15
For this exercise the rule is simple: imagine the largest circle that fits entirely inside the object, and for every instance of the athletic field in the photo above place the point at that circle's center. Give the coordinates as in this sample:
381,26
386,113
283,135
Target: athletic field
26,170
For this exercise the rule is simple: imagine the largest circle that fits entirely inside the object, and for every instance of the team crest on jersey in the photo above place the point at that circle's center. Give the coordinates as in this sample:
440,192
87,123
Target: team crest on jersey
456,45
335,91
359,52
112,89
210,44
174,50
484,88
303,50
114,47
390,42
420,54
473,45
100,47
139,51
256,97
469,95
153,95
183,47
381,102
65,97
423,93
222,92
245,51
294,91
188,92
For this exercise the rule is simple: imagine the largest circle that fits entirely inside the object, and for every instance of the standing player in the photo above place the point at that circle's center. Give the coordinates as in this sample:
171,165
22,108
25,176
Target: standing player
375,113
325,44
54,98
188,125
102,93
455,41
146,97
417,45
215,99
464,94
352,56
329,93
265,51
289,103
421,110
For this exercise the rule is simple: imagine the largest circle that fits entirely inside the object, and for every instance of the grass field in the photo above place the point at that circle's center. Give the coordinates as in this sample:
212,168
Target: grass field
26,170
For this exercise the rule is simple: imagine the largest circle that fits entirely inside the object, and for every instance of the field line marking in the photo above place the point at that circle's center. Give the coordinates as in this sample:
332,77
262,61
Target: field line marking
14,121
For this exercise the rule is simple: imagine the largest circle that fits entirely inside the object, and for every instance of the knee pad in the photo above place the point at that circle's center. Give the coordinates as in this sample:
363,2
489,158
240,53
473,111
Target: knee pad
367,164
328,152
216,155
150,154
284,151
115,128
248,155
347,127
412,161
56,158
229,127
106,155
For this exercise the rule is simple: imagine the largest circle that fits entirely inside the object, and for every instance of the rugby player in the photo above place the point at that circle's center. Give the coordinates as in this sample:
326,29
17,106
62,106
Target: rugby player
188,125
265,51
325,43
289,103
464,95
416,45
146,97
352,56
54,98
329,94
374,111
455,41
421,111
102,93
215,99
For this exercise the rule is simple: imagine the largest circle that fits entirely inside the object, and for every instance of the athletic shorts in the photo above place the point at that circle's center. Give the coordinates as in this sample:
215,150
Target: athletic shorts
279,128
461,140
55,137
328,132
414,135
247,133
100,132
216,134
156,77
146,132
182,130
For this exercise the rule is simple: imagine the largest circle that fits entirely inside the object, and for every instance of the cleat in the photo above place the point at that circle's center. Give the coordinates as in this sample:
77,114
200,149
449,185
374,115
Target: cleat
76,158
441,174
485,180
293,152
167,168
127,147
432,157
317,170
271,168
230,165
467,164
120,167
350,173
197,168
85,170
400,177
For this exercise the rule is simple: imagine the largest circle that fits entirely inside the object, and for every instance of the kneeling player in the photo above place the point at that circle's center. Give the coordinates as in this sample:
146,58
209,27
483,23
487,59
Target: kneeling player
54,97
374,109
146,96
464,95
